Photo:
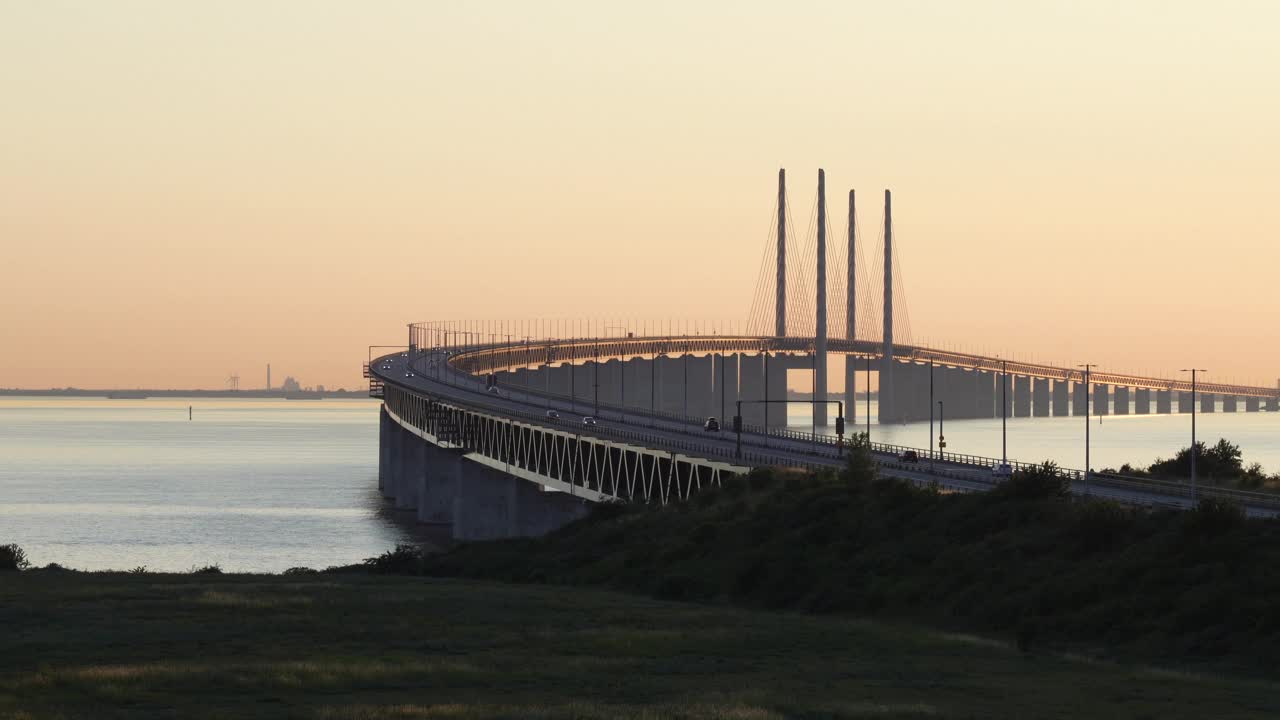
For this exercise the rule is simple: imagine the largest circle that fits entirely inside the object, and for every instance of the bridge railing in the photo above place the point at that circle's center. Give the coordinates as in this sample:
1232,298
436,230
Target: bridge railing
831,451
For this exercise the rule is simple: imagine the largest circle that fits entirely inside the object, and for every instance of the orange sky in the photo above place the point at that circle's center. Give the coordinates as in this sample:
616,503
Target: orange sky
189,190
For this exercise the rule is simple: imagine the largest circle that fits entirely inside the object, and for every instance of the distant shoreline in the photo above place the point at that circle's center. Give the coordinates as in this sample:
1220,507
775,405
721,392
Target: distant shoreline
139,394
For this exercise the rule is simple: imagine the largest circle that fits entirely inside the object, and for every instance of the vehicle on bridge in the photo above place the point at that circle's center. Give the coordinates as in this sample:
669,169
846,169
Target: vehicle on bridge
909,456
1003,471
588,420
553,415
711,425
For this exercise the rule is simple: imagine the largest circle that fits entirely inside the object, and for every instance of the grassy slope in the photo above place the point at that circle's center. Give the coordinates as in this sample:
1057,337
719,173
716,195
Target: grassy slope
1088,577
344,646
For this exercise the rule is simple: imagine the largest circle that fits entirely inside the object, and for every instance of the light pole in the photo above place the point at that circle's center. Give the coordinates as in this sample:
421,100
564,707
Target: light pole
1087,396
1004,413
1194,449
931,411
942,420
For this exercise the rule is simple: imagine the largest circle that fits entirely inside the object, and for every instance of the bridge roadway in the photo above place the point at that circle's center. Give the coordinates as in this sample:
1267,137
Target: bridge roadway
433,376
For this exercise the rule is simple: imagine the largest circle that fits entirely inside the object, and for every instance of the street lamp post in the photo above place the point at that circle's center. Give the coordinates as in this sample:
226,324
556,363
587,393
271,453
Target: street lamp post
1004,413
1088,393
1195,450
931,411
942,420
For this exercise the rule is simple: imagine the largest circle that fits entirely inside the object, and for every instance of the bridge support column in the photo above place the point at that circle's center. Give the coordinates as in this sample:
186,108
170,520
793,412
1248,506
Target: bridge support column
1185,402
1079,398
385,424
751,387
411,460
776,413
670,385
1120,402
903,397
1251,404
725,380
851,409
1101,399
1229,403
610,382
1040,399
558,380
1164,402
984,394
1208,402
1273,404
702,388
1004,395
395,445
438,485
1142,401
583,384
1061,398
1021,396
639,381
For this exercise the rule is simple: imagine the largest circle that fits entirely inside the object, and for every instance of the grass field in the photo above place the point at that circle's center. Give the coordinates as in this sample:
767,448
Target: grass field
357,646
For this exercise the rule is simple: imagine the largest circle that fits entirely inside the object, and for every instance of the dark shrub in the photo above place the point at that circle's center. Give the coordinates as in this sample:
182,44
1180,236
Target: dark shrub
207,570
1037,483
404,560
299,571
1214,516
13,557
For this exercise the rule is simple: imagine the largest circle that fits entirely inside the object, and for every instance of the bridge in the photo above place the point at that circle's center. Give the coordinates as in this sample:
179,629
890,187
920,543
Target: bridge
509,428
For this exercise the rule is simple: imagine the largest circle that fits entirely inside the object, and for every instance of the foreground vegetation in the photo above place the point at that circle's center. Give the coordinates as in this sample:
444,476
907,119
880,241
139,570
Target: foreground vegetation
339,646
1025,562
1221,464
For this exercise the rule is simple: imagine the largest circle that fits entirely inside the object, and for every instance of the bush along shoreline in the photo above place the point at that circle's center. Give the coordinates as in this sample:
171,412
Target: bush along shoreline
1027,561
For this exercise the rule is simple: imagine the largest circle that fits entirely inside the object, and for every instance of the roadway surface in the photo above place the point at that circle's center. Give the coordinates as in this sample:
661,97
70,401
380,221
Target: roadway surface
432,375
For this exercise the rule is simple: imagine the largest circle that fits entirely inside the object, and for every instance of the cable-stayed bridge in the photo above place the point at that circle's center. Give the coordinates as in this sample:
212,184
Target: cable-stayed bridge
547,415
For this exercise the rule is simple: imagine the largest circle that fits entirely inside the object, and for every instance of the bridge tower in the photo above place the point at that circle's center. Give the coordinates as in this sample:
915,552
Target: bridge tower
820,328
886,360
850,333
780,324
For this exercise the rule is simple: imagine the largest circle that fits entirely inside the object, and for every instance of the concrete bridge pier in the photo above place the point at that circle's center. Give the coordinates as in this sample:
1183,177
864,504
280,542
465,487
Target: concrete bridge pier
776,413
583,384
639,381
1251,404
725,391
1120,403
610,382
702,388
671,385
751,387
1079,398
1208,402
1185,402
1021,396
1004,394
1229,403
986,394
412,459
1164,402
1061,395
1142,401
438,484
1101,399
385,425
558,379
1273,404
1040,399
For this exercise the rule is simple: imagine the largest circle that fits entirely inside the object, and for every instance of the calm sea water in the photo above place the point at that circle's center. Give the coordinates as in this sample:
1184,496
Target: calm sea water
248,484
264,485
1135,439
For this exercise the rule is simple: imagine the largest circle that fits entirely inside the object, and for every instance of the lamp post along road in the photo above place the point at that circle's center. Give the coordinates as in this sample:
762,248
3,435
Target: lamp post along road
1195,450
1088,395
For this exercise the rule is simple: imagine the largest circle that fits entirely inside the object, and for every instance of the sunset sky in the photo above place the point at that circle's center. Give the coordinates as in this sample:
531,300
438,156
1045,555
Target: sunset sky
193,189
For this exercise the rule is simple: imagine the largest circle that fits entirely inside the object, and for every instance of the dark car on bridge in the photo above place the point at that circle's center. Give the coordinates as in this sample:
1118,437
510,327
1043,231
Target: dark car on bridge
909,456
711,425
